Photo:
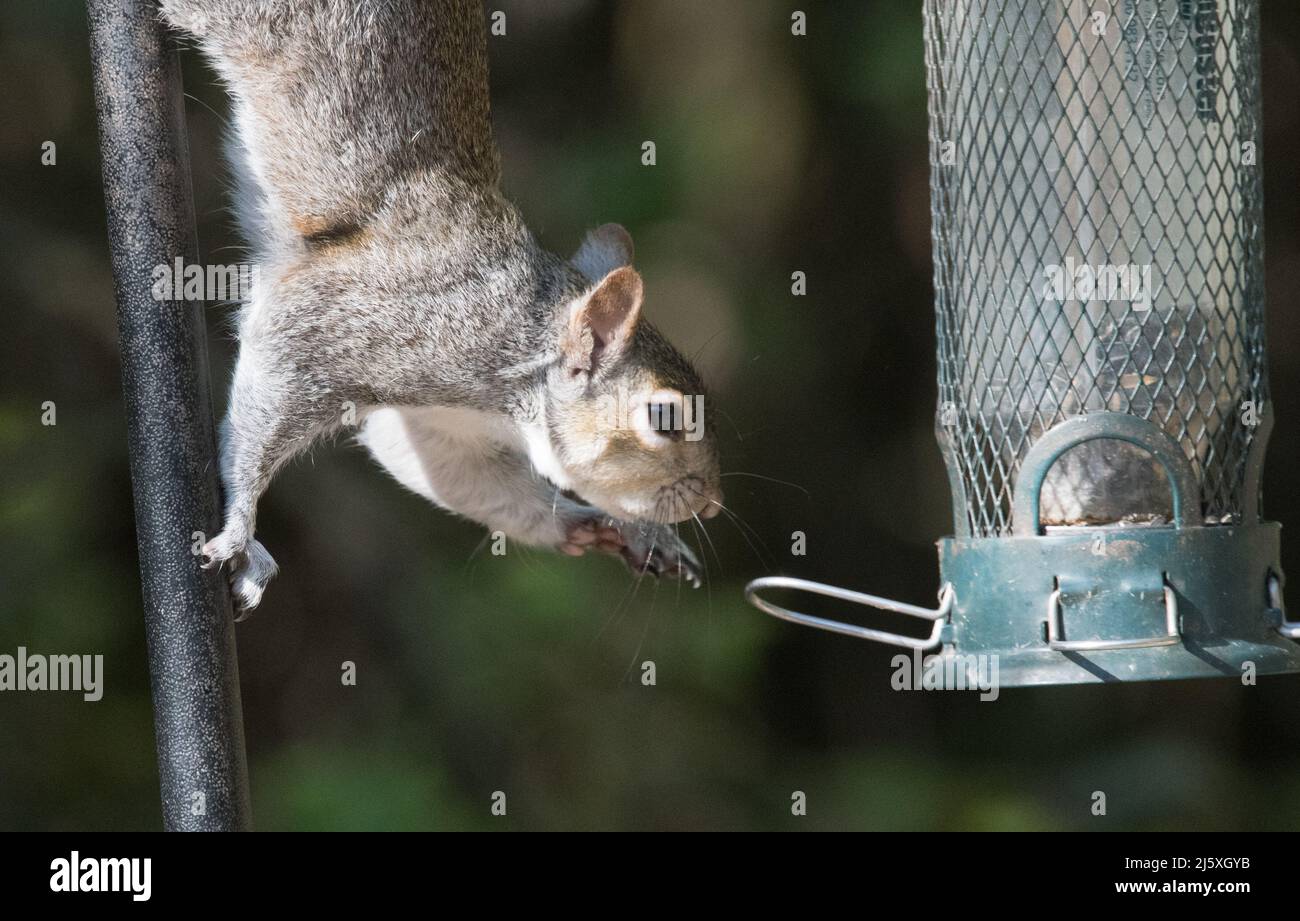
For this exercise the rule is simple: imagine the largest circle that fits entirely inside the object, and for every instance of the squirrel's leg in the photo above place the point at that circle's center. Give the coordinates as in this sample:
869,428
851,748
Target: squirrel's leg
481,479
471,474
267,423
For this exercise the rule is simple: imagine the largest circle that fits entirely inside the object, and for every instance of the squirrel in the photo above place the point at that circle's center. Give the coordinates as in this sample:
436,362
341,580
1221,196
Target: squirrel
397,283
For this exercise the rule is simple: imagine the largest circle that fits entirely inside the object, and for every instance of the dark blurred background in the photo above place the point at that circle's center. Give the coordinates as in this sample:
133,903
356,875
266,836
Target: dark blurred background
521,673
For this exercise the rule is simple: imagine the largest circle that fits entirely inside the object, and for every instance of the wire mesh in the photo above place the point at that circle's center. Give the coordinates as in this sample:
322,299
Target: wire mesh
1097,224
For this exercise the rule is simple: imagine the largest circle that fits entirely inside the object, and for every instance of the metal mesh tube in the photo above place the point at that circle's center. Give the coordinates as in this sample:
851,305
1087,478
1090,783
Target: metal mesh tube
1097,231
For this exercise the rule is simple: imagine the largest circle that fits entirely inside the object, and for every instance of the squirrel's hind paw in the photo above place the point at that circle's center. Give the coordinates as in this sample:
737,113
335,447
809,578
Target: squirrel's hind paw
249,580
250,569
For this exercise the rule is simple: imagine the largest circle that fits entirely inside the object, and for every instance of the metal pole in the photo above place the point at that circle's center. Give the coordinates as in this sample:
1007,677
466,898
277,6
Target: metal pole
194,672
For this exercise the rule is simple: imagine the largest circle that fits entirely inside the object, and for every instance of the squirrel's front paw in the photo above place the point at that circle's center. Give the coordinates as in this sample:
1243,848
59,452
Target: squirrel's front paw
646,548
591,534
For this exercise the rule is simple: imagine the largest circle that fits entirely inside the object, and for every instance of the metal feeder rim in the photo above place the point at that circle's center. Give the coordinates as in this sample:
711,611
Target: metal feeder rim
1049,448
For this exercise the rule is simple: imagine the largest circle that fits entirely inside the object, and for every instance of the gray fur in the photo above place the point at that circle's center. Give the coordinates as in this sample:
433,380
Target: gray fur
395,275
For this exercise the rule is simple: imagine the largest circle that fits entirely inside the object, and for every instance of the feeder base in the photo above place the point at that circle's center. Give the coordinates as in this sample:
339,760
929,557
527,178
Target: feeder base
1119,604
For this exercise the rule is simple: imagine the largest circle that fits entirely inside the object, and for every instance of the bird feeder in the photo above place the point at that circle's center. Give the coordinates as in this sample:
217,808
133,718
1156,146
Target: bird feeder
1103,402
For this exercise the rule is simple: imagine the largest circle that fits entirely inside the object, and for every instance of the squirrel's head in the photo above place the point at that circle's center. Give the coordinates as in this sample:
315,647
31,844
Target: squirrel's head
628,425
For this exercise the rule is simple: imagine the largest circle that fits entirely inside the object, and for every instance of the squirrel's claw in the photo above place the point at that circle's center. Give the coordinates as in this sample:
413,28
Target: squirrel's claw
248,568
658,551
647,549
679,562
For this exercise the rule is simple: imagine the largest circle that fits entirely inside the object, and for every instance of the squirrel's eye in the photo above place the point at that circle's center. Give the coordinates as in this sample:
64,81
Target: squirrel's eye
666,419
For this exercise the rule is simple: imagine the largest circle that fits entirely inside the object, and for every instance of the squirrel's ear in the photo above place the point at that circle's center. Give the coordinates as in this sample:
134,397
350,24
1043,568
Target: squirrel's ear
605,249
601,323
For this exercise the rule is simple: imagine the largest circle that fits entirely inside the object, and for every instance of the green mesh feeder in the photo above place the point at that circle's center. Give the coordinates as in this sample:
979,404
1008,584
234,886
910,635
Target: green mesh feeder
1103,394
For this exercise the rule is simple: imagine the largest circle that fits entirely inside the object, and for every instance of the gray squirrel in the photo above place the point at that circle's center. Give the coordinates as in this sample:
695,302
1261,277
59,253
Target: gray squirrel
396,282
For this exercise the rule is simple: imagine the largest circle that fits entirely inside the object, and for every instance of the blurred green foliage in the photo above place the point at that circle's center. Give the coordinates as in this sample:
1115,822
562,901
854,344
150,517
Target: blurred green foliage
521,673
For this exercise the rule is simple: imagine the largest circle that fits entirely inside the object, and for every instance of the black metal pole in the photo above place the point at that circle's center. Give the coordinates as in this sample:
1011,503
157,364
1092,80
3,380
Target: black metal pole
194,673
